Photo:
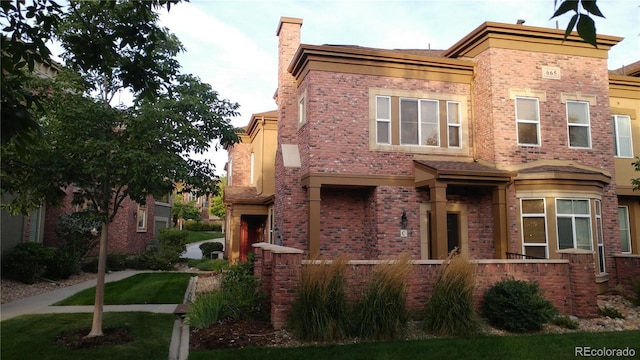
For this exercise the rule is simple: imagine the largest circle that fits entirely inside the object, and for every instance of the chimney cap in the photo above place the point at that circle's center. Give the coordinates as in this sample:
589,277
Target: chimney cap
287,20
520,21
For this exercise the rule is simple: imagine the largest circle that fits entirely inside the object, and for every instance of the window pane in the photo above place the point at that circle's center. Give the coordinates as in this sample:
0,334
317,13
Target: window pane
581,207
528,133
409,121
622,136
533,206
564,207
579,136
454,136
383,132
583,233
429,122
601,258
537,251
430,135
453,113
383,108
527,109
533,230
625,236
578,112
429,112
565,233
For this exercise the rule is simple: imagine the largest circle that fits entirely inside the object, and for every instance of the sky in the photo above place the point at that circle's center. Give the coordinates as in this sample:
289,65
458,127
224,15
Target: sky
232,44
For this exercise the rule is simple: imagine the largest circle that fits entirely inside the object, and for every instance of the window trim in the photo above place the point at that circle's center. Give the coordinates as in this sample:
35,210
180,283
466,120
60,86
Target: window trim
573,217
388,121
628,230
535,215
458,125
616,136
523,121
142,210
602,264
302,109
587,125
419,121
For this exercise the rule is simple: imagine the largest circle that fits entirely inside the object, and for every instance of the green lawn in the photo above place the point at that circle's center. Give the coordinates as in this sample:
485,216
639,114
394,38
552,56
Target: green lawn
32,336
196,236
549,346
147,288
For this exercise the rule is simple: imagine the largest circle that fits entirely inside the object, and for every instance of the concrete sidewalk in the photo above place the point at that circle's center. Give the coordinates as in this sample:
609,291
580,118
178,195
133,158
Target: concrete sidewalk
42,303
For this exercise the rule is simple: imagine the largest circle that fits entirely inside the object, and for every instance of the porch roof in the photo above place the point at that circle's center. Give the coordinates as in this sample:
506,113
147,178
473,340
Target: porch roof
244,195
467,172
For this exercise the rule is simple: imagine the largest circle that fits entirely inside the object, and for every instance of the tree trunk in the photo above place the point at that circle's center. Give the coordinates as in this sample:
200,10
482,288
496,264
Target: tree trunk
96,326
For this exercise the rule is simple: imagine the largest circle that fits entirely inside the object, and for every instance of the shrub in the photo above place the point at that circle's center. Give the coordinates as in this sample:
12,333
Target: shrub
208,247
381,313
517,306
201,226
25,262
450,310
205,310
565,322
610,312
242,292
319,312
60,264
214,265
635,299
116,262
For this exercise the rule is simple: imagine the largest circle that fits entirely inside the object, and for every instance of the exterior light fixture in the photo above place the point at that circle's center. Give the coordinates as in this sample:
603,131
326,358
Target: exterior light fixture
403,225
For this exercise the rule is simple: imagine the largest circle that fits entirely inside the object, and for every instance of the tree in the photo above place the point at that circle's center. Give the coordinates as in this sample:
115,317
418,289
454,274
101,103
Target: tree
187,211
582,21
636,182
107,154
217,204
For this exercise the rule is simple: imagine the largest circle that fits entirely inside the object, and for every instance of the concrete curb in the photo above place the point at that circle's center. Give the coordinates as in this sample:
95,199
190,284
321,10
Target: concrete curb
179,347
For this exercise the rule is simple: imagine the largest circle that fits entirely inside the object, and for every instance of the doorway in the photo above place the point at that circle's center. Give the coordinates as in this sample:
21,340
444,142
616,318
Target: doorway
252,230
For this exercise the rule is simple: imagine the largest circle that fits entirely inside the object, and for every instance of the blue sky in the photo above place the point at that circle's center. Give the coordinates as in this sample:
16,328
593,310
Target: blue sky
232,44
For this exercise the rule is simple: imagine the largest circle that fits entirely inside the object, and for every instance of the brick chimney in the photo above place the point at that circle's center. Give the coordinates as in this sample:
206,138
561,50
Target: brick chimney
288,42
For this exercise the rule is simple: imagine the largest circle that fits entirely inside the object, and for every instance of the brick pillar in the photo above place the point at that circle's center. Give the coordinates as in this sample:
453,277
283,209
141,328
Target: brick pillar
286,268
582,282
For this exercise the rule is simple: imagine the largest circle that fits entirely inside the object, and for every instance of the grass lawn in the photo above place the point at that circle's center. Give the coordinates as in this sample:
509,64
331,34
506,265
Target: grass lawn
32,336
195,236
147,288
548,346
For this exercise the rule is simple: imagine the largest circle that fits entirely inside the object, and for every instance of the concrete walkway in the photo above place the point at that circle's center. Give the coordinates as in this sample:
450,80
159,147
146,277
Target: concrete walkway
193,249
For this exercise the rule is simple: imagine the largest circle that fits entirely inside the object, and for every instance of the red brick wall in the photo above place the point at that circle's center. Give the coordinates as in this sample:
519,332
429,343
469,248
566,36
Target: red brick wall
240,157
568,283
628,271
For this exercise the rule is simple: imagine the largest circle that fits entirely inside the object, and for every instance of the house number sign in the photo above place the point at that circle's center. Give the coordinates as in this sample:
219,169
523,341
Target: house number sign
549,72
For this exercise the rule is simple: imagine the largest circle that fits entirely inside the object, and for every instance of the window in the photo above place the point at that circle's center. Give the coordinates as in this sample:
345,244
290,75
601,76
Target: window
600,236
142,218
454,126
622,136
625,230
383,120
574,224
419,122
528,121
302,111
579,124
534,228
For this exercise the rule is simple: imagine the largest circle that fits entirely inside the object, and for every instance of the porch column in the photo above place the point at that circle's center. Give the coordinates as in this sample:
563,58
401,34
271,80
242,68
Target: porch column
500,222
313,192
438,195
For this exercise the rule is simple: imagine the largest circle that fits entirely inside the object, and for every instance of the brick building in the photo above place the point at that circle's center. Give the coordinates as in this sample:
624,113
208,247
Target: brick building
512,142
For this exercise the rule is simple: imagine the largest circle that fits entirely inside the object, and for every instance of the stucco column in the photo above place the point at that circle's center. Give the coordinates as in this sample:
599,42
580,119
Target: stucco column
500,222
313,193
438,194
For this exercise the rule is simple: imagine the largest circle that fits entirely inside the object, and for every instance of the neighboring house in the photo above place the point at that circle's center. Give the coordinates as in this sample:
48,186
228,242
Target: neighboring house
248,195
502,145
202,203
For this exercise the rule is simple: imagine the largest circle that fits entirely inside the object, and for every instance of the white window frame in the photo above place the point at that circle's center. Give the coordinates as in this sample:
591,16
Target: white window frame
617,137
419,120
302,110
576,125
380,120
626,231
142,213
546,227
457,125
602,266
573,217
528,121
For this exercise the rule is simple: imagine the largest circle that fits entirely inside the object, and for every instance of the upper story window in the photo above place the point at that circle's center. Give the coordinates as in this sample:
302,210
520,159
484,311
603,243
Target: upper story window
528,120
623,145
574,224
579,124
418,122
302,110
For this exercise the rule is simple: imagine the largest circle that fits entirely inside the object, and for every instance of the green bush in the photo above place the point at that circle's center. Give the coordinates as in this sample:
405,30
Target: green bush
192,225
60,264
319,311
26,262
242,291
450,310
153,260
381,313
635,299
214,265
205,310
517,306
116,262
610,312
208,247
565,322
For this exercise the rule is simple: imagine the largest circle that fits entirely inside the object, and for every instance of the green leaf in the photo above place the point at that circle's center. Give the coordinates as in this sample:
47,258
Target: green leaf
592,7
571,25
587,30
565,7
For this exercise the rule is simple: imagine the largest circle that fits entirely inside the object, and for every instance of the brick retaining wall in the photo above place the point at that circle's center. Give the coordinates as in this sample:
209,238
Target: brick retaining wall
628,270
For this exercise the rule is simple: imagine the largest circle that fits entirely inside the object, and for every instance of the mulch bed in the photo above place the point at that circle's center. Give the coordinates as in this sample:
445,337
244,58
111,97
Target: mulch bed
77,339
